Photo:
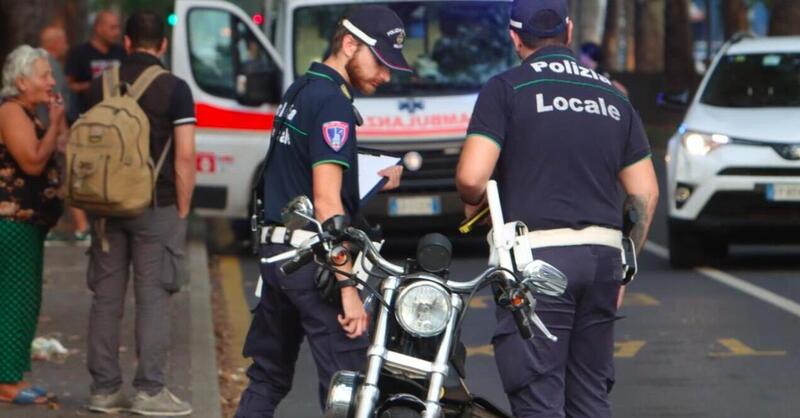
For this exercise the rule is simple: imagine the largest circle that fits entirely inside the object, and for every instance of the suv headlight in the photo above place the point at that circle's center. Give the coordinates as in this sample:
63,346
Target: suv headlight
700,144
423,309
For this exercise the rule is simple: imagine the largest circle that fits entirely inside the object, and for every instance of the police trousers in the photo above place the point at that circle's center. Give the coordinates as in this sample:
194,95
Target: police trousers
289,310
571,377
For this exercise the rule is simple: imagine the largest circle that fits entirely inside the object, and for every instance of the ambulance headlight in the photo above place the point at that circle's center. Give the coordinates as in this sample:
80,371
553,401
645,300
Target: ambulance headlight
423,309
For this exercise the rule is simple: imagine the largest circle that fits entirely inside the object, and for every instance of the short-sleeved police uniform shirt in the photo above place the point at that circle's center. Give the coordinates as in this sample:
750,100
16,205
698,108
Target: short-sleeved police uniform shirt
565,134
320,128
167,103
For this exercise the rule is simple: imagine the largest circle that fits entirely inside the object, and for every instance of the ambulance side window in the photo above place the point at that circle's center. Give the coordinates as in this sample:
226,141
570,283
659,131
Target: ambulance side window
227,59
211,52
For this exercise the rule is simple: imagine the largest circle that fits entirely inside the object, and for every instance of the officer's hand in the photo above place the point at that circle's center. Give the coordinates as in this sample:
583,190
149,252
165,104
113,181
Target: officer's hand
620,296
393,173
472,210
355,319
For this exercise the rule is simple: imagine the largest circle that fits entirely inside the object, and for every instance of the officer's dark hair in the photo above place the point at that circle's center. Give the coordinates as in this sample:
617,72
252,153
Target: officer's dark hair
337,40
532,42
145,30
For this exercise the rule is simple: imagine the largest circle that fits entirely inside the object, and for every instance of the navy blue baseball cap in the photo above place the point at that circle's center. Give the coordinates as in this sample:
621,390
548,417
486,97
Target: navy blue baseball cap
540,18
382,30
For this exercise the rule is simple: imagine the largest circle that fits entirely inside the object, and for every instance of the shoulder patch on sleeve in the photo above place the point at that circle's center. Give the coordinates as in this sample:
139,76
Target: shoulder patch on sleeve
336,134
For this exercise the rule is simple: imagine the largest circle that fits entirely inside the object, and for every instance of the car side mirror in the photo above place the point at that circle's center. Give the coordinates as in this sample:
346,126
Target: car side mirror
676,101
255,89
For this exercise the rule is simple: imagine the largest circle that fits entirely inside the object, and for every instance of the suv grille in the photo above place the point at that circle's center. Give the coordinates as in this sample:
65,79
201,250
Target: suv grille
750,206
437,174
761,171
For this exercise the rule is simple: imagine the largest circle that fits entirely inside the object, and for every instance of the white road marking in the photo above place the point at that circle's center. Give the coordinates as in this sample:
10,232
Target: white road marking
728,279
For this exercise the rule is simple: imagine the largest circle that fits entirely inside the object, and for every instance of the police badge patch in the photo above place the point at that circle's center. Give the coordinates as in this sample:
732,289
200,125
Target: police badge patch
336,134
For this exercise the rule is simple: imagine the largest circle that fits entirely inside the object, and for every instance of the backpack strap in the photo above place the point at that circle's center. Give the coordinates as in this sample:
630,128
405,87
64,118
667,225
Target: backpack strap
111,82
159,165
145,79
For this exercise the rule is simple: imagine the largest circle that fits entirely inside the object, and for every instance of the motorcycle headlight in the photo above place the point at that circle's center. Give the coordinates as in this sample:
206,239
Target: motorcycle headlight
423,309
700,144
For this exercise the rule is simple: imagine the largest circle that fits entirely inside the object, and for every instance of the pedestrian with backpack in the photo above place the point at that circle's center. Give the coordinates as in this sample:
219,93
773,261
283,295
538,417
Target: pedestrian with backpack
131,166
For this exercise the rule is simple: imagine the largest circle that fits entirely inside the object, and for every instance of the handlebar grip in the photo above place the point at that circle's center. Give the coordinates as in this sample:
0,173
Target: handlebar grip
297,263
523,324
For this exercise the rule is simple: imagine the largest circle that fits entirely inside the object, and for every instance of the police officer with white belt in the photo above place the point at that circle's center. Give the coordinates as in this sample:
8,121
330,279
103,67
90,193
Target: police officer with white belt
562,139
314,154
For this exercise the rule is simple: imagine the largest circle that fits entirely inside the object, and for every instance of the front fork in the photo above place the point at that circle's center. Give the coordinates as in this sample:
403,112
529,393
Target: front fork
368,394
440,367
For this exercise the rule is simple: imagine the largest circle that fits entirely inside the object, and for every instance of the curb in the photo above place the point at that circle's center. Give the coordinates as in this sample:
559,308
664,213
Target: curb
204,384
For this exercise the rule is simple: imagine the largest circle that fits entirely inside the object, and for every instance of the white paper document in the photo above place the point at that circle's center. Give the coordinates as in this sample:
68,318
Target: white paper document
369,182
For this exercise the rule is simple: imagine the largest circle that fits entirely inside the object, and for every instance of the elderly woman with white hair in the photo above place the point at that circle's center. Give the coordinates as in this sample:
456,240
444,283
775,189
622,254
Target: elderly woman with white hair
29,207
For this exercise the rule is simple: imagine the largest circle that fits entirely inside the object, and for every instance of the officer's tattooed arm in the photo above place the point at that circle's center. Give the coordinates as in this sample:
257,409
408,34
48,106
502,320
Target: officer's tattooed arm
641,220
641,186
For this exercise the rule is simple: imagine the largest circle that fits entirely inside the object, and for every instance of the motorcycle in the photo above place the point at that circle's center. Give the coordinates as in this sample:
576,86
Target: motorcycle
415,363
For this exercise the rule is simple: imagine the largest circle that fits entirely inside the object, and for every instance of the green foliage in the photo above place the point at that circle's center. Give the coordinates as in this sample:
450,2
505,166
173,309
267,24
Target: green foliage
126,7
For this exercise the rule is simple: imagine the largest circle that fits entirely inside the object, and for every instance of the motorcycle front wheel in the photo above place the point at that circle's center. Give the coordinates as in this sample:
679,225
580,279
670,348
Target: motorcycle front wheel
400,412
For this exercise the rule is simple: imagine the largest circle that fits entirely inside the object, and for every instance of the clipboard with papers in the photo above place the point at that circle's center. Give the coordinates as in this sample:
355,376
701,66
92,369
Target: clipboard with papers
370,162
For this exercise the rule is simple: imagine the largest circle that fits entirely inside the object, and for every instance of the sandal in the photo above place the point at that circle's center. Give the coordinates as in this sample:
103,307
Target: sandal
27,396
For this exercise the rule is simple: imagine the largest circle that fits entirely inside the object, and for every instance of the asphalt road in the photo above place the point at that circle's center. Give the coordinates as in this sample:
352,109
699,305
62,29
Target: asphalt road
721,342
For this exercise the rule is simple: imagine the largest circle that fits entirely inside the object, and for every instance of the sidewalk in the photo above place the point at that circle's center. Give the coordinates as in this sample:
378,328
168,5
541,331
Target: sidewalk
191,372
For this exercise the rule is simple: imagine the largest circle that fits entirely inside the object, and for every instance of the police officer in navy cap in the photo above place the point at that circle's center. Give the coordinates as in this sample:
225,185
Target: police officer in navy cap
562,140
315,155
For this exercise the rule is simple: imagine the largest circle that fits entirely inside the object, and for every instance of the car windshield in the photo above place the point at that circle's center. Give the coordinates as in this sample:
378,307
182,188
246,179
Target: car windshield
454,47
755,80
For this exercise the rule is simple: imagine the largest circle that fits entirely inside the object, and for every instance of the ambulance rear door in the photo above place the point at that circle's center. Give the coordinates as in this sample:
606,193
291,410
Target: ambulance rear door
235,75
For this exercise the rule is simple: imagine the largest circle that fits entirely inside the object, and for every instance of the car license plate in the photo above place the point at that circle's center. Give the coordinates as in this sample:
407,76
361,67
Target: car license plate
415,206
783,192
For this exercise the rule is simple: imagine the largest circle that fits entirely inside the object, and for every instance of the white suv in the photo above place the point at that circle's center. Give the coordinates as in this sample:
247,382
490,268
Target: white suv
734,165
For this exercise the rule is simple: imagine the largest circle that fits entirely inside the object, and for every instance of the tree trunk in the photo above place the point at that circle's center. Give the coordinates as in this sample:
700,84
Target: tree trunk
589,20
678,60
785,18
612,35
650,35
22,21
734,13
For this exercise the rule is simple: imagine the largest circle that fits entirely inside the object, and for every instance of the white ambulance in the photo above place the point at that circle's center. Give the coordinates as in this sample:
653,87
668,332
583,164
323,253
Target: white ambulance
238,70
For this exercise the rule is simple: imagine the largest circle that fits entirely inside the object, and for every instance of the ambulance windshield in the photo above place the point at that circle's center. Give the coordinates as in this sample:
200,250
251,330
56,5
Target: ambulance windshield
454,47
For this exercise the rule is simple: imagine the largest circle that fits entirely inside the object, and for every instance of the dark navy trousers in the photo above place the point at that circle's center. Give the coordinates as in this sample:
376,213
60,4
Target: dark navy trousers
290,309
571,377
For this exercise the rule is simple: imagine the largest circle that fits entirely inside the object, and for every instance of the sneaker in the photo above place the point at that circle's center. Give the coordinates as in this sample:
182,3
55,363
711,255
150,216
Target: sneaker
109,404
82,239
164,403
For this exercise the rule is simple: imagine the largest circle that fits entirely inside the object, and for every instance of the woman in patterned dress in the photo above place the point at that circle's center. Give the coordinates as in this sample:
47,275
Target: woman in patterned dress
29,207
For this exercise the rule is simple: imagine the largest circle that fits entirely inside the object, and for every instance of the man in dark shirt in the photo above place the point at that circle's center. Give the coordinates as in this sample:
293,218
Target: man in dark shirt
152,242
87,61
562,140
315,155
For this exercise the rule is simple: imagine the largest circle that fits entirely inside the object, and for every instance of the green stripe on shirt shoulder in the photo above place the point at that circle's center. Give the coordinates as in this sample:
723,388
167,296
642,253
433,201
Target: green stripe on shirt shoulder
314,73
646,157
341,163
485,135
574,83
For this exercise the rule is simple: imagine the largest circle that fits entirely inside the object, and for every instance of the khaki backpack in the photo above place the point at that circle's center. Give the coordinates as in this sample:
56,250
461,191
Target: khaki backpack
109,170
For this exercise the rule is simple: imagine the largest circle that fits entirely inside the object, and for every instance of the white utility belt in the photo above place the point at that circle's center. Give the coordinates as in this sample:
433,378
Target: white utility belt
563,237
